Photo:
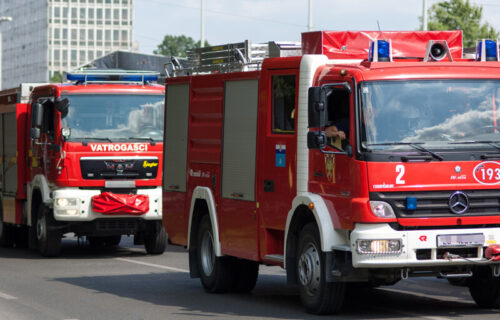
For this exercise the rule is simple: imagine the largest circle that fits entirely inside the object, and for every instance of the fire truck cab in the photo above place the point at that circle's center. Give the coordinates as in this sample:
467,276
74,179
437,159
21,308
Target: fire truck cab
82,157
362,157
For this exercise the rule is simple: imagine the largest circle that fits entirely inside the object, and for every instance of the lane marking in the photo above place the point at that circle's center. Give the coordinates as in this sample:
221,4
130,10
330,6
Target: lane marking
6,296
153,265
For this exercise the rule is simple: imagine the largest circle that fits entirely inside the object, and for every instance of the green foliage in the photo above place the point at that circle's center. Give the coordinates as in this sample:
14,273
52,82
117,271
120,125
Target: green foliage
177,46
461,15
56,78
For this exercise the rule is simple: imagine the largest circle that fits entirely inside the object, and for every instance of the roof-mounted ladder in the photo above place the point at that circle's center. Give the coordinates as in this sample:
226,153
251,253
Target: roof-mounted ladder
234,57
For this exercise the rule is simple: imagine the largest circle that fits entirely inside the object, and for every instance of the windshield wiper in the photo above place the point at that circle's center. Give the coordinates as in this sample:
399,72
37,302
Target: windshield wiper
95,138
491,143
151,140
414,145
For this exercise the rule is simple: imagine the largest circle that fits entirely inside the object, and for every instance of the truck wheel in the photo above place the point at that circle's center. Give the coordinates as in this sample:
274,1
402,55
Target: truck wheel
156,239
485,288
317,295
246,274
49,240
6,235
216,273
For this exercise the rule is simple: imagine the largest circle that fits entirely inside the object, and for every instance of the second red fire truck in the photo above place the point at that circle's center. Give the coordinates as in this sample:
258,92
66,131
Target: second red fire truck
367,157
82,157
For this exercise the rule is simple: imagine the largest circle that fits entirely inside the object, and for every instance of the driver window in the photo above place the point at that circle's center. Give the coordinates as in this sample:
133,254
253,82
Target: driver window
283,103
337,128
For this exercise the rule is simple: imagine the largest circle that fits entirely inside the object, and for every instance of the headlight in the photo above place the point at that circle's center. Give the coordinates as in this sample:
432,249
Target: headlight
382,209
67,212
384,246
66,202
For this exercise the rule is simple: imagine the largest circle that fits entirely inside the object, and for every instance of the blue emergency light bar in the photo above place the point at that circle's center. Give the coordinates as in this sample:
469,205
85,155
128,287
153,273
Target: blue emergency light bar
380,50
87,76
487,50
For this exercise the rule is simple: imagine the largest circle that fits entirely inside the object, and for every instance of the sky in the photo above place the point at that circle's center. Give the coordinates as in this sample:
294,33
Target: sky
228,21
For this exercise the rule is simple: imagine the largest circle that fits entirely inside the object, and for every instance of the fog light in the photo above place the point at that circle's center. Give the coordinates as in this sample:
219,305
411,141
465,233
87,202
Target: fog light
382,209
67,212
385,246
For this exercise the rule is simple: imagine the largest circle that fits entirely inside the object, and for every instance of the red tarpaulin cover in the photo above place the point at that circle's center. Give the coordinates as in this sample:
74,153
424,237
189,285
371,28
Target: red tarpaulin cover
116,204
354,44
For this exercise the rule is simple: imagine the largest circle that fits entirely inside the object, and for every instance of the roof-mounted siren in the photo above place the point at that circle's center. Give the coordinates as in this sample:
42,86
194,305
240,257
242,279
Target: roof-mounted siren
380,51
487,50
437,50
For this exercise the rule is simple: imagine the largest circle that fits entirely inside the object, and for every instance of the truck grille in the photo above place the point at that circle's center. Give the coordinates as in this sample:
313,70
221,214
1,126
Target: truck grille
119,168
436,203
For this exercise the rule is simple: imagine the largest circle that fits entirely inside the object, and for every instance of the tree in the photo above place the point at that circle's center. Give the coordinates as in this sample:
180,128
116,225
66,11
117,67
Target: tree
56,78
461,15
177,46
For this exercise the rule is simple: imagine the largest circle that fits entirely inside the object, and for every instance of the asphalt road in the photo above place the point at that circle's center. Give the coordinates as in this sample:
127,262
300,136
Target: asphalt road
125,283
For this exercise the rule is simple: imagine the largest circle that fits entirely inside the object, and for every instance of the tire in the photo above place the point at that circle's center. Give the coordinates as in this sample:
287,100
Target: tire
246,275
48,239
317,295
485,288
216,273
155,240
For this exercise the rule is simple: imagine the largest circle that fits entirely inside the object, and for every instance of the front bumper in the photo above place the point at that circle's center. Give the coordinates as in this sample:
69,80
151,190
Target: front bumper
79,206
419,248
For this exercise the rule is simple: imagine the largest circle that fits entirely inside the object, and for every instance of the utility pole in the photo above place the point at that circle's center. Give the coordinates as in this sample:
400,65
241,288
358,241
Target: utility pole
2,19
202,40
424,15
310,23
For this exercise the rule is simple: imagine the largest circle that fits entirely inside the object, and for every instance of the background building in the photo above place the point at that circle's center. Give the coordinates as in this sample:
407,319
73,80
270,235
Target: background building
46,37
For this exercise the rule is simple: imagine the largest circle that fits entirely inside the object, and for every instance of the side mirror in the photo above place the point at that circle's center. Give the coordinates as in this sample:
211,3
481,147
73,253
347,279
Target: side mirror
316,140
62,106
35,133
36,115
316,107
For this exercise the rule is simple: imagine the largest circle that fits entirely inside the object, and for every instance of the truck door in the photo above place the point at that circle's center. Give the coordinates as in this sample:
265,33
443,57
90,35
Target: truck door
238,218
276,186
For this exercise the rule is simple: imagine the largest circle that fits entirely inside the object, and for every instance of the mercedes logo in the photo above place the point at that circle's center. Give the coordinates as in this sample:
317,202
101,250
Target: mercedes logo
458,202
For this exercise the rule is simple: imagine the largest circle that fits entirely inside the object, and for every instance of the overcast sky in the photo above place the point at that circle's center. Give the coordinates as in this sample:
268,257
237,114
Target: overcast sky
280,20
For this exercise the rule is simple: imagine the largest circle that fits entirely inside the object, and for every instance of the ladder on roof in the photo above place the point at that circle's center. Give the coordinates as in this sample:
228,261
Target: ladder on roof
234,57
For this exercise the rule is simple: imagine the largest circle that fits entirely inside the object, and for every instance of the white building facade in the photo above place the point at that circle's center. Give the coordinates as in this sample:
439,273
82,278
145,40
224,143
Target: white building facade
46,37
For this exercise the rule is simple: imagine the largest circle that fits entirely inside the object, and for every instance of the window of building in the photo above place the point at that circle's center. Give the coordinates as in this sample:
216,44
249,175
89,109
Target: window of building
108,14
57,55
65,56
107,35
91,55
283,103
124,14
91,35
74,13
99,35
82,34
57,33
73,55
57,12
90,13
65,12
124,35
74,34
116,35
83,56
82,13
65,34
99,14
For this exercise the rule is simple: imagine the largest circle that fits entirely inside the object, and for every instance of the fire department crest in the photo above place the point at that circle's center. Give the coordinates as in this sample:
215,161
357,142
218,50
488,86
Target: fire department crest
330,167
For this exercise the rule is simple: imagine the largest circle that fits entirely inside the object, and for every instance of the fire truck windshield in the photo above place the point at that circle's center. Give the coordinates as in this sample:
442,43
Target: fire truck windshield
115,117
437,114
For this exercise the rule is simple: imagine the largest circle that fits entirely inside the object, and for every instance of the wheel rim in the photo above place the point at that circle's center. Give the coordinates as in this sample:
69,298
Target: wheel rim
41,228
207,253
309,269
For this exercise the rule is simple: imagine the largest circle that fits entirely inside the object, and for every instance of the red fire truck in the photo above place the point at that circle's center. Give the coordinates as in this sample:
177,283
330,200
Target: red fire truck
368,157
83,158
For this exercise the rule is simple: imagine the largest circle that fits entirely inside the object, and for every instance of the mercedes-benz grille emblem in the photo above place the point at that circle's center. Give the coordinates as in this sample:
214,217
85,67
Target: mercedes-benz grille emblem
458,202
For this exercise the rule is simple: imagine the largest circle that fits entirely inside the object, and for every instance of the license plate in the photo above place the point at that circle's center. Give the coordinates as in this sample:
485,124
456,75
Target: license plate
460,240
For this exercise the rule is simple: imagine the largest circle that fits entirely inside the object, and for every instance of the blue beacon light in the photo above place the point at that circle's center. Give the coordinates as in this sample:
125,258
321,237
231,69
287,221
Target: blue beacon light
383,50
411,203
490,48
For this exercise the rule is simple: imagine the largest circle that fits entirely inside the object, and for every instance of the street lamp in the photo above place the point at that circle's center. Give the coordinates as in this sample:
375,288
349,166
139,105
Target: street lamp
2,19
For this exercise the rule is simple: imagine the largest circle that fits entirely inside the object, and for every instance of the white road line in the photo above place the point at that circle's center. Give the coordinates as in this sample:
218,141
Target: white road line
6,296
154,265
